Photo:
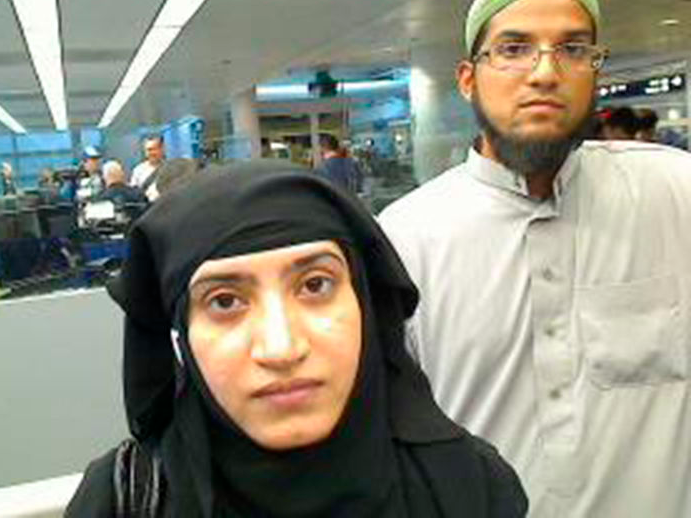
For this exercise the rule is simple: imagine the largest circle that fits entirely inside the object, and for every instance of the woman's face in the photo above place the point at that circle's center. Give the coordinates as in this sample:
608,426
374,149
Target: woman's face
277,336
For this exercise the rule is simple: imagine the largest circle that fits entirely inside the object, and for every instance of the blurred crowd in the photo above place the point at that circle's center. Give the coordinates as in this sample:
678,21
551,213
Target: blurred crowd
626,123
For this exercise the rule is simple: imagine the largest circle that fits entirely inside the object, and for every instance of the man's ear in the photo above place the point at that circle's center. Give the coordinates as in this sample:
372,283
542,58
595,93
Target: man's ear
465,79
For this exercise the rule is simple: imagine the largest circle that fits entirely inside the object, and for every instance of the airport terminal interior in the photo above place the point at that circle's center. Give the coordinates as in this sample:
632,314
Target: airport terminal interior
84,83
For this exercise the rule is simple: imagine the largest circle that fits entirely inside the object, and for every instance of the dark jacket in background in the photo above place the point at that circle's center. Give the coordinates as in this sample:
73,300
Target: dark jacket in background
129,200
121,195
342,171
8,187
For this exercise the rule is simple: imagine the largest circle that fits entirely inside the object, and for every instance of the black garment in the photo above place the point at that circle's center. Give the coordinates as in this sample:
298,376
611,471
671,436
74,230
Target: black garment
8,186
128,200
121,194
342,171
392,455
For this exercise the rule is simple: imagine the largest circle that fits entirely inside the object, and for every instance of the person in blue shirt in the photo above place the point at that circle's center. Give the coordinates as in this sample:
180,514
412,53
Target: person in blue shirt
338,167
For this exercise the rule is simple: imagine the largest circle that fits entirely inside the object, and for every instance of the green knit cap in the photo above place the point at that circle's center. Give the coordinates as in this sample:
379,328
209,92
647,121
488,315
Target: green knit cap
482,11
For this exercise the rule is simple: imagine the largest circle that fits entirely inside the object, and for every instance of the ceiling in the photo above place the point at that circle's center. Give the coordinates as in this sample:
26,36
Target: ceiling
232,44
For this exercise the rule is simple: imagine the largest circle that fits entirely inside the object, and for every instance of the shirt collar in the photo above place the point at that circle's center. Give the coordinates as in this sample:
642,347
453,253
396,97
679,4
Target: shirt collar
496,175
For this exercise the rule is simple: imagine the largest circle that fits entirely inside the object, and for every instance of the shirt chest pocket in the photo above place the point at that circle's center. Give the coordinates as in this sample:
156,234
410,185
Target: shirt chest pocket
633,333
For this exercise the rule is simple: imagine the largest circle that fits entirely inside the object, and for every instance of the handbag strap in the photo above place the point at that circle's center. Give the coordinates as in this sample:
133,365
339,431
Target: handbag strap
138,481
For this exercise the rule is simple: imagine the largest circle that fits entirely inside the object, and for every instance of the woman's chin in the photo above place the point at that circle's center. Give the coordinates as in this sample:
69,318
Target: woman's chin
293,436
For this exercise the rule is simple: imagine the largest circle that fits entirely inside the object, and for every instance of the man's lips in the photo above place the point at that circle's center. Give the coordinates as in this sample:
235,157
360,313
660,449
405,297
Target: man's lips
279,388
543,103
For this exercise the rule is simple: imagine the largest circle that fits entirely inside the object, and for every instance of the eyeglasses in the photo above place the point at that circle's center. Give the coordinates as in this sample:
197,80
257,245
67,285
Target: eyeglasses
523,57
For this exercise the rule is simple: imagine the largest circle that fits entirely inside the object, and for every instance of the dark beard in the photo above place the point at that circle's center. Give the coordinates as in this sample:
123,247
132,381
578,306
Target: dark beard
530,157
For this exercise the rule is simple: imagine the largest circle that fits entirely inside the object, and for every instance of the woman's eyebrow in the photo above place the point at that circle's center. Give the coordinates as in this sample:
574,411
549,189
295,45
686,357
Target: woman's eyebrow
235,279
248,279
318,257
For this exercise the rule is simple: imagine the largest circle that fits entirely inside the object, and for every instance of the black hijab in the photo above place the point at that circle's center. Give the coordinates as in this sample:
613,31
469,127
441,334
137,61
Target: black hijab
379,460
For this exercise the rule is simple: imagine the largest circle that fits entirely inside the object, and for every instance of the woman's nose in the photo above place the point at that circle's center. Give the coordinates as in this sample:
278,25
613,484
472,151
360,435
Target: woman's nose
277,342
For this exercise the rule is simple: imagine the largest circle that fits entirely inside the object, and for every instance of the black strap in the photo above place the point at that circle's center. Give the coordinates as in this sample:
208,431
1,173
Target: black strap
150,179
138,482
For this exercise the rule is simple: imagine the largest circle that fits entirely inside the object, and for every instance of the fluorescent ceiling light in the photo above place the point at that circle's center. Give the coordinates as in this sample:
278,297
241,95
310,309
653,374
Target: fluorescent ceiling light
170,20
10,122
364,86
176,13
41,27
280,90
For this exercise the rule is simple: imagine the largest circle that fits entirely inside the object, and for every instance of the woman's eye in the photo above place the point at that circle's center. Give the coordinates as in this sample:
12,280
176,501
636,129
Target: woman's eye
225,302
317,286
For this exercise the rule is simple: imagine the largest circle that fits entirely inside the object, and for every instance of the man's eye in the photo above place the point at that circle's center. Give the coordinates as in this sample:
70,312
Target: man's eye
574,50
514,50
319,285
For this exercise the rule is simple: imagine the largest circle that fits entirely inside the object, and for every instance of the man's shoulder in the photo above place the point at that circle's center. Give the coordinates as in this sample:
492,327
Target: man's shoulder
141,167
634,155
432,197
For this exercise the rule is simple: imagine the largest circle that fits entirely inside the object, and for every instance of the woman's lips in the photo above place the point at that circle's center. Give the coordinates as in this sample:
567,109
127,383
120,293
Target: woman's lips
288,394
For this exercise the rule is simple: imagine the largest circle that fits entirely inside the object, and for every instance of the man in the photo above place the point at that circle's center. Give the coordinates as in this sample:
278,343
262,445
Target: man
647,125
337,166
620,124
117,189
144,174
555,276
90,175
7,180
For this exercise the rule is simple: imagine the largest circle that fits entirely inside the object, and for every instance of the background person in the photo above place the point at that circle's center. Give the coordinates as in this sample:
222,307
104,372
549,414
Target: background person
337,166
144,174
622,123
647,125
126,199
8,184
90,183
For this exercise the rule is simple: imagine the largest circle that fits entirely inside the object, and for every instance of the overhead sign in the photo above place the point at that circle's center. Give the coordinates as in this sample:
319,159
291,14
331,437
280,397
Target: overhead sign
653,86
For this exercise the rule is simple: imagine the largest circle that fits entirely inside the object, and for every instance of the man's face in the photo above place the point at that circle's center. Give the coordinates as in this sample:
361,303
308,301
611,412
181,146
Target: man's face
153,149
92,165
549,103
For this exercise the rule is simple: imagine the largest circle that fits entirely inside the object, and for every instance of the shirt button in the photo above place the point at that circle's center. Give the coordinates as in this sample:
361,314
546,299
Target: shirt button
548,274
550,331
555,394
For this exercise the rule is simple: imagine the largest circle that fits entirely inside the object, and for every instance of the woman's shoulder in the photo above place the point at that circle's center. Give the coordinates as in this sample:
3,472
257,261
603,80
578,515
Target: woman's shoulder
95,496
471,472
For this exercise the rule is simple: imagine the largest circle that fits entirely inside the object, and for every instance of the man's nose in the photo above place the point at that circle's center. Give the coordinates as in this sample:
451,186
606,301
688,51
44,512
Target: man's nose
546,68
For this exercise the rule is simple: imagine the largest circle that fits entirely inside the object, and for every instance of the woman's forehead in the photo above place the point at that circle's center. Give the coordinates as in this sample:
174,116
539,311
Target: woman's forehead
281,257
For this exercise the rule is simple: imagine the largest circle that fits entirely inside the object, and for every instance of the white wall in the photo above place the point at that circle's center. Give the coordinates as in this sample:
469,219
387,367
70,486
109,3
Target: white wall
60,388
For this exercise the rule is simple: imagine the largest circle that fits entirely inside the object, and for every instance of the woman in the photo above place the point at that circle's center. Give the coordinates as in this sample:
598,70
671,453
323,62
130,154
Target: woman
265,372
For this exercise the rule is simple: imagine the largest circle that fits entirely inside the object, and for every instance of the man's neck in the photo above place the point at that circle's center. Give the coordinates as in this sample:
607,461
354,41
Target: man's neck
540,185
330,154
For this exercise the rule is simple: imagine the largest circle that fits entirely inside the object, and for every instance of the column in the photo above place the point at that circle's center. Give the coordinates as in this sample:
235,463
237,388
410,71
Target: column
314,137
246,120
443,125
